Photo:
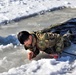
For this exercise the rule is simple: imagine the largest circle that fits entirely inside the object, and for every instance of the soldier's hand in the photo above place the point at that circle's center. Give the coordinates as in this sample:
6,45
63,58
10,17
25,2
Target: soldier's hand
30,55
54,56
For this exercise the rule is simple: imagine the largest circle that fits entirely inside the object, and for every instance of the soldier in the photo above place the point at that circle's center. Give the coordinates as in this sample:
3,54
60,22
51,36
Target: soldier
50,43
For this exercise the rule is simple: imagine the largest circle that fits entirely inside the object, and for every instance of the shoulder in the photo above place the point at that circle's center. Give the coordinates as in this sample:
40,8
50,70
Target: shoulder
44,35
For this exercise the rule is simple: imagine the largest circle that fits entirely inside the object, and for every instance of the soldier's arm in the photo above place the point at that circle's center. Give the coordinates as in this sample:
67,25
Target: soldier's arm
52,53
33,52
55,55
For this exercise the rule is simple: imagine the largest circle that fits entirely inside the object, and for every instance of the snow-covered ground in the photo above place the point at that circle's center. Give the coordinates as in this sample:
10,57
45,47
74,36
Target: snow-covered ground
16,9
44,67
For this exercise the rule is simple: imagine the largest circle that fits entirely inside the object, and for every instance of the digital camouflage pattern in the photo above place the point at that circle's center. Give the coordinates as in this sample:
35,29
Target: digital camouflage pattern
48,42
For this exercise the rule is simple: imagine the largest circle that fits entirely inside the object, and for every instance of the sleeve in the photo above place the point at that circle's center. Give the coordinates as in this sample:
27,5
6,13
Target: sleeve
34,50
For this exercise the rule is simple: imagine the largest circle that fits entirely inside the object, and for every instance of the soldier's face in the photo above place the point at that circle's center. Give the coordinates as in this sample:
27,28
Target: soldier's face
28,42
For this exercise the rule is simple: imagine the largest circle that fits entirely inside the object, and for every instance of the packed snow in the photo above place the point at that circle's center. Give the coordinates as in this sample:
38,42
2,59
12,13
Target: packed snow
11,10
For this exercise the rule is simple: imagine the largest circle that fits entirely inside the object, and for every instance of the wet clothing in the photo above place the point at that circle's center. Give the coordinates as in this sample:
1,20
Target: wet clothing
48,42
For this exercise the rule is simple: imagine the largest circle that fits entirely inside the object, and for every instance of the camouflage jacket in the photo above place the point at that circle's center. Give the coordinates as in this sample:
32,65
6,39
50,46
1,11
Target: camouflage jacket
47,42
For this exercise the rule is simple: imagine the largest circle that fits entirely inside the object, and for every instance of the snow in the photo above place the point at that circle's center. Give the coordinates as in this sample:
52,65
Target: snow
11,10
9,39
44,67
15,9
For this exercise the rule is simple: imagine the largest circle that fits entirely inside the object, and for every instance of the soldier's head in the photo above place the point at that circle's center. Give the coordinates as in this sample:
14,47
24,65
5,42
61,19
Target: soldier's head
25,38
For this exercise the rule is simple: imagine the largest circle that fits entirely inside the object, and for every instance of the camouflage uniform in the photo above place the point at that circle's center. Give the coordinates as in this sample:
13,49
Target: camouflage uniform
47,42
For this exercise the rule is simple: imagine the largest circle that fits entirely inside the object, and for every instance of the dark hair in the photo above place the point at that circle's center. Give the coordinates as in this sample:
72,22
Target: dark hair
22,36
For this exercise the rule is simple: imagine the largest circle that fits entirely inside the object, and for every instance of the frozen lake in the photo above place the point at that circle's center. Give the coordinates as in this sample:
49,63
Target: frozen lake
16,56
